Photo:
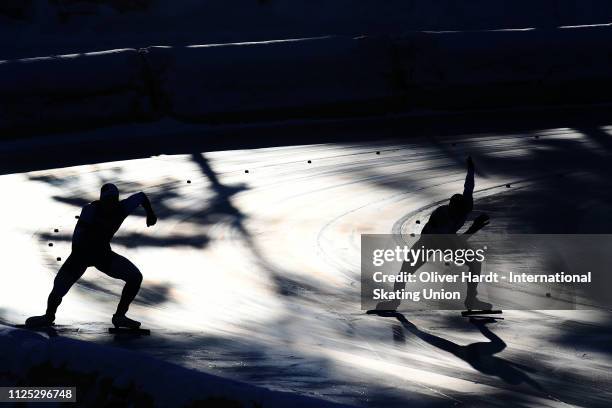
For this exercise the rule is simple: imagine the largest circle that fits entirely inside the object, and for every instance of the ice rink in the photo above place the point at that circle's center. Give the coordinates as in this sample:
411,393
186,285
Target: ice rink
253,270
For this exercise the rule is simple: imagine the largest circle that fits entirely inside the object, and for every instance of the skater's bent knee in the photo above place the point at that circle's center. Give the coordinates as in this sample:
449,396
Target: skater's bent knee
135,278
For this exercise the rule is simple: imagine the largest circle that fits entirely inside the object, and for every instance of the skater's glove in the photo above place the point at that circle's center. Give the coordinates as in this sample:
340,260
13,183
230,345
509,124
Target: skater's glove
151,219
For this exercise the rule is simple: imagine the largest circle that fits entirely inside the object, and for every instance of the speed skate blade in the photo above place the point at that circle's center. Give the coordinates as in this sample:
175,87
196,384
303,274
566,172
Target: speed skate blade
479,312
125,330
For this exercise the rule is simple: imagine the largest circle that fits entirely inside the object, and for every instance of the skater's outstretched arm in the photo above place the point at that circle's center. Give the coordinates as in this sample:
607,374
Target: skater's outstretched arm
468,186
468,193
136,200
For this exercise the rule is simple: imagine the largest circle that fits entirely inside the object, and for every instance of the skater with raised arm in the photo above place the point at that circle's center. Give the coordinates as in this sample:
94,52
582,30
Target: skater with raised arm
445,221
97,224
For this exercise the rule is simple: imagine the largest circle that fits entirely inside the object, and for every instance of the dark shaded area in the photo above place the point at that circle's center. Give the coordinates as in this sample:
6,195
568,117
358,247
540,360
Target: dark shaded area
65,11
133,240
292,371
398,334
479,355
50,331
154,294
129,23
286,286
554,381
96,390
221,203
587,338
572,199
98,147
295,372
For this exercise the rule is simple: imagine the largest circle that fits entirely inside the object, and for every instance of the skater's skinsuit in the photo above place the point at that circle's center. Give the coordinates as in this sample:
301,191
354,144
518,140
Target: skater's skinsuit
447,220
91,247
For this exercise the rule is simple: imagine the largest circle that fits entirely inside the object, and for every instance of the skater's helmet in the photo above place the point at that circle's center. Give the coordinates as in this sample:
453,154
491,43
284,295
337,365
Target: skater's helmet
109,193
457,204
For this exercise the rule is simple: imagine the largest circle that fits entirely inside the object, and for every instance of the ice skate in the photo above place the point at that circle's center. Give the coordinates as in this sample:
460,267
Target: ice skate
477,307
473,303
125,322
39,321
386,308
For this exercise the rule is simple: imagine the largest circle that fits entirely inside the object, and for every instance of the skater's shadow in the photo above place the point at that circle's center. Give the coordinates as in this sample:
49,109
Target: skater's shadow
49,331
480,355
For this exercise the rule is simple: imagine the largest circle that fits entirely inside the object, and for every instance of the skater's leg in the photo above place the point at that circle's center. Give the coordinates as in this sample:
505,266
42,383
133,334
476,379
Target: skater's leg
398,286
471,300
119,267
475,269
407,267
69,273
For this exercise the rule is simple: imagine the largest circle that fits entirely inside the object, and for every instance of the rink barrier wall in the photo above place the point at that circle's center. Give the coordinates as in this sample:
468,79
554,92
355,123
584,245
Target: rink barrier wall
73,91
46,27
278,78
105,375
419,71
500,69
309,78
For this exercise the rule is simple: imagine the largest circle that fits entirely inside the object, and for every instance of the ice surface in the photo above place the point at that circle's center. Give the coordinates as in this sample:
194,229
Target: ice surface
255,277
